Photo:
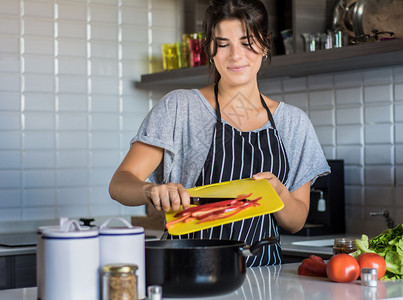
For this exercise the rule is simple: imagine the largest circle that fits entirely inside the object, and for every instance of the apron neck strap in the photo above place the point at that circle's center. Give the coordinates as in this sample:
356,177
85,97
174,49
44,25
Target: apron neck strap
218,112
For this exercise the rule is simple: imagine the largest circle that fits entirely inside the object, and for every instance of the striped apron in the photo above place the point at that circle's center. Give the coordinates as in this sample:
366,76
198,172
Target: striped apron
235,155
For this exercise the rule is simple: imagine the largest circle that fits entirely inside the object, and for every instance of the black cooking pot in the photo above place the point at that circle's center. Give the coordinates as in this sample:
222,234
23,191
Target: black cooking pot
198,268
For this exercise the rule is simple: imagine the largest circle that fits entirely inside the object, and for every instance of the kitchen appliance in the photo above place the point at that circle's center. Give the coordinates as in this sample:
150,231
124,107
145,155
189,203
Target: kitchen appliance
198,268
327,212
269,202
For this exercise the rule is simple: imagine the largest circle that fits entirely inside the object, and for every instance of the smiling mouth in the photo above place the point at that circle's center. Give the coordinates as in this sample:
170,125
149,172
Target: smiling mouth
237,68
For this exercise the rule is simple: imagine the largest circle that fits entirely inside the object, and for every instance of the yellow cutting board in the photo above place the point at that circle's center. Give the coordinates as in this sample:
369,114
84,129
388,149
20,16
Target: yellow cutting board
269,203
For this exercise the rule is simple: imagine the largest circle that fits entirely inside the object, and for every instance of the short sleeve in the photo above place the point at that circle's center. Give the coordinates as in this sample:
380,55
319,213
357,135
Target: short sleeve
304,152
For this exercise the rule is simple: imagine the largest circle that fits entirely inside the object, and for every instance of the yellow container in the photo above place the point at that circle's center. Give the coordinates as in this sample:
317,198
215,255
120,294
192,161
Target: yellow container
169,56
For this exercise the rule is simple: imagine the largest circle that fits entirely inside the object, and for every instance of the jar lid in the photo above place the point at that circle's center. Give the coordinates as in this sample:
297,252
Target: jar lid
119,268
369,276
345,241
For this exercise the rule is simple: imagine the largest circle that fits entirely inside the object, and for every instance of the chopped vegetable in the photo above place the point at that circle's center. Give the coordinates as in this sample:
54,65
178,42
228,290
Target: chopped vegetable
213,211
389,245
313,266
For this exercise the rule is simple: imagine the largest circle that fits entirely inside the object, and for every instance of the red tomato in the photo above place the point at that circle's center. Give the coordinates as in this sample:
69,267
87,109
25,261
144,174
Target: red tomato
372,260
342,268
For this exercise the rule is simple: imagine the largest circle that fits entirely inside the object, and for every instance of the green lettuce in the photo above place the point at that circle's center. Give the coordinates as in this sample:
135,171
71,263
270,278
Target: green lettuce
389,245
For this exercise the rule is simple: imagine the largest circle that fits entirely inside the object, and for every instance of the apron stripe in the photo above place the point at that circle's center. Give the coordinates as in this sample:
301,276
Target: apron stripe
223,155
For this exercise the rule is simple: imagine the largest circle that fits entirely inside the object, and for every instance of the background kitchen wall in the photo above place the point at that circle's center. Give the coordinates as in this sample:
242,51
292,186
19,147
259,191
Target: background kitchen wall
68,110
67,106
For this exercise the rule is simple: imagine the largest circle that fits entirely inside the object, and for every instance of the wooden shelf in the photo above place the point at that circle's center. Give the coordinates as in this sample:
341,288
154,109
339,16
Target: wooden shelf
356,57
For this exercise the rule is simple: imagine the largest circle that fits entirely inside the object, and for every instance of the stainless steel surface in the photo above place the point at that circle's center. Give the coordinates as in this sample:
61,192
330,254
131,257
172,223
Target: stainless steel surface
385,15
343,16
360,17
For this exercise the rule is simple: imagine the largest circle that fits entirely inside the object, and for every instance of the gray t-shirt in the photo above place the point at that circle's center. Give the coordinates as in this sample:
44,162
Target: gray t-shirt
182,123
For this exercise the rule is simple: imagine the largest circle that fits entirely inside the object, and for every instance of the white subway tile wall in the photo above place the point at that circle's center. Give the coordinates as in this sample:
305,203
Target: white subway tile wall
68,110
358,118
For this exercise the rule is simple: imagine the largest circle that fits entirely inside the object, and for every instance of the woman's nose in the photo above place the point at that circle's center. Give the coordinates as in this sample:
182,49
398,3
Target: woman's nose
236,52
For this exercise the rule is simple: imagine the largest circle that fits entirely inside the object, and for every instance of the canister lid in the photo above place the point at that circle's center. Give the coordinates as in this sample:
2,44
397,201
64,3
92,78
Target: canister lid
41,229
70,230
121,230
59,234
119,268
128,228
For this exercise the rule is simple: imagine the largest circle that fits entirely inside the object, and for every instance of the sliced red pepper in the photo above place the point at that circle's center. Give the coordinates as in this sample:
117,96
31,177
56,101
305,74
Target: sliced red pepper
216,211
210,205
173,222
200,214
224,215
188,220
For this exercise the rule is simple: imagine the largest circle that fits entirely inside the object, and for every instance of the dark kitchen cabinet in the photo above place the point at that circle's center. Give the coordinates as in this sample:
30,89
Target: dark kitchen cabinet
17,271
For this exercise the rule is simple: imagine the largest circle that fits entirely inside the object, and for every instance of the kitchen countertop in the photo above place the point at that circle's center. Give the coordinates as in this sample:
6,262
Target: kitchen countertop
278,282
295,245
31,249
288,245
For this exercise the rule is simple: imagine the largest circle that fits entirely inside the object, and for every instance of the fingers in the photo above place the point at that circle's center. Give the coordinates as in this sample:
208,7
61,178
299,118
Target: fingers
184,195
263,175
168,196
270,177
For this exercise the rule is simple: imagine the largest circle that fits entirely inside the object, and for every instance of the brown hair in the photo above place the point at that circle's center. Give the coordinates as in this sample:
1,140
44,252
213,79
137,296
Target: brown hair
252,12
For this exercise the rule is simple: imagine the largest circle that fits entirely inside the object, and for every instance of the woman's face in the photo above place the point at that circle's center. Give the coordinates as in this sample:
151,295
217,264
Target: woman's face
235,60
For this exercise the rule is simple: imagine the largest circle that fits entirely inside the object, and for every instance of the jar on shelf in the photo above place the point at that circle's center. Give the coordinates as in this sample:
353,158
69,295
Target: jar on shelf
119,281
344,245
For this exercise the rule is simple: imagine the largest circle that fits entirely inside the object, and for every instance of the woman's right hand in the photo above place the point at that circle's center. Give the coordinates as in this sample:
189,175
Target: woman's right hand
166,197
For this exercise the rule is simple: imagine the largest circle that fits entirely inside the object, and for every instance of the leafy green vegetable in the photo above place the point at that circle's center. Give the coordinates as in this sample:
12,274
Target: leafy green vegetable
389,245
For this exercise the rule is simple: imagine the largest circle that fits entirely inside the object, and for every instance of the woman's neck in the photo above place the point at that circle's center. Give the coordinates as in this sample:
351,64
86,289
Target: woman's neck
249,92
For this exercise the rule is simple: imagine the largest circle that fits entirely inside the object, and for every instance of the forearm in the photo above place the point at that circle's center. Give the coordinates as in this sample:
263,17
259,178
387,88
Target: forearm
293,216
129,190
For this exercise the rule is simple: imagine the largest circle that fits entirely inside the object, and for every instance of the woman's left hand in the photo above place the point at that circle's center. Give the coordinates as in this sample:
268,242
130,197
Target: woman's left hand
296,204
270,177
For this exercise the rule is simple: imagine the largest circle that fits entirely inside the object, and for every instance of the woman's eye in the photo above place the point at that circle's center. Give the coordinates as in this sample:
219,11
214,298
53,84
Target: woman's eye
222,45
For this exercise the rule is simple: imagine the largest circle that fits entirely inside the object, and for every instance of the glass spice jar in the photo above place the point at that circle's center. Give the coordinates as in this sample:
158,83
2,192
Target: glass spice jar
344,245
119,282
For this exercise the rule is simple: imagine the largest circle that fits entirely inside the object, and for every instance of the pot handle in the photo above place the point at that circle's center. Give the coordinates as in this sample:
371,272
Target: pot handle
256,247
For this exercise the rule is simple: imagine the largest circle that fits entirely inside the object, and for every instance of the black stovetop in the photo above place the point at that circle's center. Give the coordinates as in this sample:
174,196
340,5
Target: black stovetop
20,239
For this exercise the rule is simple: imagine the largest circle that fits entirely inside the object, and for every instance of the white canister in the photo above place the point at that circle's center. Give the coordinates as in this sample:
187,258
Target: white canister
124,245
71,262
39,253
39,256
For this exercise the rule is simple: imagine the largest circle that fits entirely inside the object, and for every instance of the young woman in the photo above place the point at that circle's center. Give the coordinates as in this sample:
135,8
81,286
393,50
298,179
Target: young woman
226,131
